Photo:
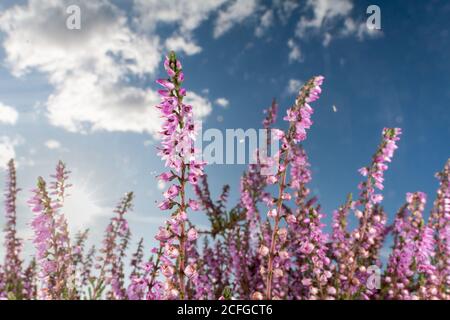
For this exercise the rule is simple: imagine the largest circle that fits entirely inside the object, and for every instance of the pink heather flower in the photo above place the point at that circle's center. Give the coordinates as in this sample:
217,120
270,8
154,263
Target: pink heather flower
173,294
291,219
277,134
363,171
331,291
282,234
271,114
166,176
193,179
300,172
182,216
284,255
272,179
358,214
376,198
167,270
163,234
172,192
192,234
272,213
166,84
194,205
307,248
175,227
263,251
286,196
190,271
165,205
172,251
257,296
278,273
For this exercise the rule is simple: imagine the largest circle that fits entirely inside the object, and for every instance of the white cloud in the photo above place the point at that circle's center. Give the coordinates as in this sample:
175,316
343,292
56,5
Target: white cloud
234,14
148,143
326,39
187,15
7,151
202,106
295,54
83,106
351,27
265,22
323,12
332,18
294,86
25,162
90,68
223,102
89,103
285,8
105,44
8,114
53,144
178,43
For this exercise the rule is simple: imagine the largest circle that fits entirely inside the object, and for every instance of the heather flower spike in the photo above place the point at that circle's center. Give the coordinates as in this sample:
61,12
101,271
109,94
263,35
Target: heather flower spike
177,150
299,118
12,267
52,240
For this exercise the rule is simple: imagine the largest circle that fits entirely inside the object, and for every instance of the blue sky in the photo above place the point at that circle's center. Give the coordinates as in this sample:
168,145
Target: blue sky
86,96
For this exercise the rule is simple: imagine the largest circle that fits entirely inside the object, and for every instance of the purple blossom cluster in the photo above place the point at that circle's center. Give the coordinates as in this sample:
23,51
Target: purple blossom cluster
272,244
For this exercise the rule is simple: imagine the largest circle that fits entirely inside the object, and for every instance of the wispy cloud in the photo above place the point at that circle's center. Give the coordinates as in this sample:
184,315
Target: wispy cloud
332,19
295,54
265,22
234,14
293,86
8,115
53,144
223,102
178,43
7,151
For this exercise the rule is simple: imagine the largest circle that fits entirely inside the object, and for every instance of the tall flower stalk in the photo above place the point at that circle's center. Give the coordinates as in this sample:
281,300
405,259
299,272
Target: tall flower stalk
370,232
51,238
440,222
110,263
13,282
177,150
299,118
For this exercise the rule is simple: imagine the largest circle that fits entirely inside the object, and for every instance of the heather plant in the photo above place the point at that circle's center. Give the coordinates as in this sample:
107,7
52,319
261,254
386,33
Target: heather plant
271,244
12,282
109,282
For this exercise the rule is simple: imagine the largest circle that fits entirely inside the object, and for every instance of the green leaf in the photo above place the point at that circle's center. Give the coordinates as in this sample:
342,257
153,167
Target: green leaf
227,293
